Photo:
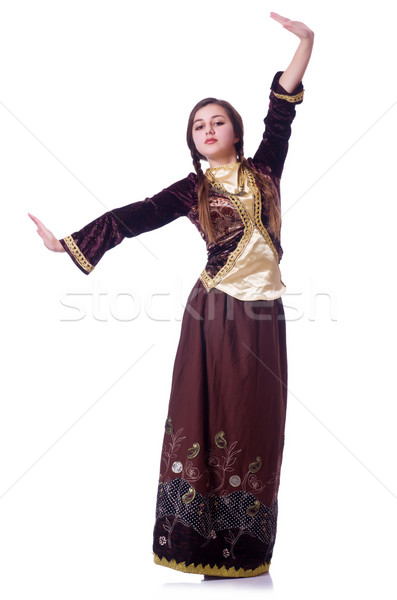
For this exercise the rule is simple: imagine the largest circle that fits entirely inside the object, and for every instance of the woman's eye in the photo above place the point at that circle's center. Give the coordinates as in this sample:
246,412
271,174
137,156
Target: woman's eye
198,127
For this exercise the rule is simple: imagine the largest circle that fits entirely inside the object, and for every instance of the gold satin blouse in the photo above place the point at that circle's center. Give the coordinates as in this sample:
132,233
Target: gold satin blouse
255,274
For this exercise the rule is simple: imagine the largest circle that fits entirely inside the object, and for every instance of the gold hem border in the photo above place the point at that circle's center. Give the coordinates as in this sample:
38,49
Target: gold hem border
77,254
208,570
296,98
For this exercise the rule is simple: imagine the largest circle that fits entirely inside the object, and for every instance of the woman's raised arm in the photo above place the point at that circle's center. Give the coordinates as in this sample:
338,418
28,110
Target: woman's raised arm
293,74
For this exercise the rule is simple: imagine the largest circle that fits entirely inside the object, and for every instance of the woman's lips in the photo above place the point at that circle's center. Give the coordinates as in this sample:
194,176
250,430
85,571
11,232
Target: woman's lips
211,141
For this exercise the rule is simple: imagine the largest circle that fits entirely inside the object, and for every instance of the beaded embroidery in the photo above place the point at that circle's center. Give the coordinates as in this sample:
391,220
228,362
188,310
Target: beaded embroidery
258,220
220,440
210,282
77,254
255,466
248,228
194,450
296,98
235,480
178,501
221,512
169,428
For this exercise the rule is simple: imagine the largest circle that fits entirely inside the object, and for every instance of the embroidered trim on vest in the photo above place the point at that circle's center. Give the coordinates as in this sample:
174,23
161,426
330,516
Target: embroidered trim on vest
77,254
258,212
233,164
296,98
248,229
209,282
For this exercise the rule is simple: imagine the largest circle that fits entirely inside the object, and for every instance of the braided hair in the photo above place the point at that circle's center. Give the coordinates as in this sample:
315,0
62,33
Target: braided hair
264,182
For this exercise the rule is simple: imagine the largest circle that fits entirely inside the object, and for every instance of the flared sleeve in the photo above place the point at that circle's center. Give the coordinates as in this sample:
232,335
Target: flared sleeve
87,246
272,152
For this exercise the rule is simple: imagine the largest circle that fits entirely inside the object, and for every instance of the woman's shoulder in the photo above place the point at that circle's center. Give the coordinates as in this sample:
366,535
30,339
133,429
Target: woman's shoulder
188,183
257,165
184,190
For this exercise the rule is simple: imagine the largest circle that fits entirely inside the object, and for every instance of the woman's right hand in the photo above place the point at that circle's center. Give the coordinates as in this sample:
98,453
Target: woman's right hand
49,239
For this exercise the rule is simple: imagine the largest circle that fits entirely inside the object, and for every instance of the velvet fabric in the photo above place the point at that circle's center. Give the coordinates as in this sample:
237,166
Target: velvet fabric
180,199
224,436
255,274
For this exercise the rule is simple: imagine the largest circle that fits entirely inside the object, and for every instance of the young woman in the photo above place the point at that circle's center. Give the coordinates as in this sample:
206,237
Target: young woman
224,433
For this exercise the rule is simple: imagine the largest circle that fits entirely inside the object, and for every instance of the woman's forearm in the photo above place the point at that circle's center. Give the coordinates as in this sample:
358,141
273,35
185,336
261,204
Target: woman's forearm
293,74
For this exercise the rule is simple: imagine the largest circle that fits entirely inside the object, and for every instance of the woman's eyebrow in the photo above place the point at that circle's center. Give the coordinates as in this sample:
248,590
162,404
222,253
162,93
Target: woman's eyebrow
213,117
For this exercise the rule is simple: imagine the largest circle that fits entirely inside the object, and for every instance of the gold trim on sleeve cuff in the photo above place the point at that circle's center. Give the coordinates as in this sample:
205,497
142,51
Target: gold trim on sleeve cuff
208,570
77,254
296,98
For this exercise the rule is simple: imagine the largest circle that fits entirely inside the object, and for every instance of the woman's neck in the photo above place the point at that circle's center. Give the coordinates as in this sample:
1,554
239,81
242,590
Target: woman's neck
225,160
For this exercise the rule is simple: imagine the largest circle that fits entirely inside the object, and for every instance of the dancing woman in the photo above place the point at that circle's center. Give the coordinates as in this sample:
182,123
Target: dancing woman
220,467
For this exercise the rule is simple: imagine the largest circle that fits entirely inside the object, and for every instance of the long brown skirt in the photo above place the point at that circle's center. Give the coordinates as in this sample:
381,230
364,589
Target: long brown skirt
220,466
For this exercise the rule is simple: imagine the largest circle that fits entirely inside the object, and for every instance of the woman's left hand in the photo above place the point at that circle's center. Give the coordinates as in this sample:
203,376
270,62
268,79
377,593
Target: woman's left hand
296,27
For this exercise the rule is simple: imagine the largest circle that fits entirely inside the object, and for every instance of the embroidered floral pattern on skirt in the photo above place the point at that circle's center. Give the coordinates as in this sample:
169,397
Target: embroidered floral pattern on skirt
223,441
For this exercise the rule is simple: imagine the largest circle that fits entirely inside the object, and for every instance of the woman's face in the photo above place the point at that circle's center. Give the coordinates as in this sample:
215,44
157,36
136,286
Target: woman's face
214,136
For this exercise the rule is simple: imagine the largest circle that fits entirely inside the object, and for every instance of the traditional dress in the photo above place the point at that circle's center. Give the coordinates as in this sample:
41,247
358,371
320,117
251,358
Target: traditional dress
216,508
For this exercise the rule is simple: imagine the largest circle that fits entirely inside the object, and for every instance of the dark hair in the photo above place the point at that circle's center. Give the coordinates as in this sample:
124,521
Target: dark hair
263,182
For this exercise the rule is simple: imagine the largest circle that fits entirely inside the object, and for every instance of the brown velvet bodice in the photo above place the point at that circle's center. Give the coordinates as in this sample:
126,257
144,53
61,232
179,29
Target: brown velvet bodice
87,246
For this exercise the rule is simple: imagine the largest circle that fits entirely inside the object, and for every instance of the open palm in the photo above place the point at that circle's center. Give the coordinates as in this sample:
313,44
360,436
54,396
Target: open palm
49,239
296,27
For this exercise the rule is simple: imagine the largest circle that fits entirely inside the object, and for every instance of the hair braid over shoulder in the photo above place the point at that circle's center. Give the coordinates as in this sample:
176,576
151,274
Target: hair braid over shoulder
203,204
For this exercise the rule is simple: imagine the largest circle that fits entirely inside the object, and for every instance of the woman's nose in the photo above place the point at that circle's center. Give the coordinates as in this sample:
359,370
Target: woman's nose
210,130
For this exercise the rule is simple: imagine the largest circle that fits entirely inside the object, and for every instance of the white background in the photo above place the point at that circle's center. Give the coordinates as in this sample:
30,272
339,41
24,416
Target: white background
94,101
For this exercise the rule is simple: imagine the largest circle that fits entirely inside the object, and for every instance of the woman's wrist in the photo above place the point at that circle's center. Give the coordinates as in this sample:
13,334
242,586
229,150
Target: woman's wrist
58,247
308,39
